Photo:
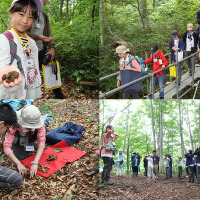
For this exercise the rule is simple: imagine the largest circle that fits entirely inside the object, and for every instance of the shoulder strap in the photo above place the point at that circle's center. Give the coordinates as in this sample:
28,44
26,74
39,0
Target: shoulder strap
13,53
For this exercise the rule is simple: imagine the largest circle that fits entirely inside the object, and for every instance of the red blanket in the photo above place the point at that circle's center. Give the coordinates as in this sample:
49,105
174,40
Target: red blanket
69,154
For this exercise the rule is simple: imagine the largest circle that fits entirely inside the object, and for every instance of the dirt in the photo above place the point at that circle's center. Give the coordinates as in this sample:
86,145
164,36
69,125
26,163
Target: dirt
10,77
51,158
43,168
142,189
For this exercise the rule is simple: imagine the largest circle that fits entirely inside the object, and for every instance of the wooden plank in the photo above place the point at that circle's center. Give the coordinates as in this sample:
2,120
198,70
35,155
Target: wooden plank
170,90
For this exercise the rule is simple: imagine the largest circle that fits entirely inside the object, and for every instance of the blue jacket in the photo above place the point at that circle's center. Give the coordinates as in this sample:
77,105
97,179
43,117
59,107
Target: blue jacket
189,159
180,45
156,159
197,152
134,161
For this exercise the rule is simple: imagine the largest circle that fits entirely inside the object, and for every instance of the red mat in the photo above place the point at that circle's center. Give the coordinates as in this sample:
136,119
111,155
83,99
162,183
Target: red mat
69,154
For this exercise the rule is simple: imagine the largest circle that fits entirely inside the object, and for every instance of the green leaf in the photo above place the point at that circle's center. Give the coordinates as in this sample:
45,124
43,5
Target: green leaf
58,150
2,157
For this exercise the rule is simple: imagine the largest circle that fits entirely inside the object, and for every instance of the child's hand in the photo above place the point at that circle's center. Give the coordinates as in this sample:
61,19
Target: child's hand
127,67
6,70
118,83
44,38
52,53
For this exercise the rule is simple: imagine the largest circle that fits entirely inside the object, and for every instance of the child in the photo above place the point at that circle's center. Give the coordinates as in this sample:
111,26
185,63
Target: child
120,163
134,165
190,39
22,13
177,46
155,163
127,63
9,179
167,160
159,62
145,166
190,163
150,167
180,167
108,141
20,139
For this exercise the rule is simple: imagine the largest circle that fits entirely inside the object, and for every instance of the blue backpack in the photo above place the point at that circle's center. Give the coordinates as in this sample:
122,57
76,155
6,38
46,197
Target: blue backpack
17,104
140,62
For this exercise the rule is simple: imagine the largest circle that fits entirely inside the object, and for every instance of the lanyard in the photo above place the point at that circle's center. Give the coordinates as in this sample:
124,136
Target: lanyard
38,16
12,29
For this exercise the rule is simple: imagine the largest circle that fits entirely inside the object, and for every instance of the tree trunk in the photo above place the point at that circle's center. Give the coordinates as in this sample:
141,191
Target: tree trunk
146,140
93,13
61,7
181,133
128,148
101,22
161,165
67,12
154,3
143,12
152,124
126,130
188,124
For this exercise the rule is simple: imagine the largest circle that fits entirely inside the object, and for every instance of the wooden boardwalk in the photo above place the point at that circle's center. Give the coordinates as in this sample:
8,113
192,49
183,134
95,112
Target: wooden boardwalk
170,89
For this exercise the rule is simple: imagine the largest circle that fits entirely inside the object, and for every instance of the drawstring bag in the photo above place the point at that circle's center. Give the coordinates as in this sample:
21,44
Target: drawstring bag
128,76
70,132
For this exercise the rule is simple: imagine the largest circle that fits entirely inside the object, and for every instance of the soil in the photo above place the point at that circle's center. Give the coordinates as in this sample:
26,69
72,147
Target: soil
142,189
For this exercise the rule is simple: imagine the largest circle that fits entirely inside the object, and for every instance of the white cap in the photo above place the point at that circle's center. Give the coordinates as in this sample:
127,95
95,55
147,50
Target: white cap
38,3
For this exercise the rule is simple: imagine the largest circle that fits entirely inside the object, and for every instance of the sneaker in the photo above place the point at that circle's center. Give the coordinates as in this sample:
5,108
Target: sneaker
153,179
148,179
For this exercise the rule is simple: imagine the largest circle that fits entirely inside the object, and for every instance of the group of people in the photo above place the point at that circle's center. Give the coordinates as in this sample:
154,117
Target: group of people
21,129
157,58
23,49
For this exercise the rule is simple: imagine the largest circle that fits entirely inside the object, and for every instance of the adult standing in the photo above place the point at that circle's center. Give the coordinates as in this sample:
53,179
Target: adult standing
170,165
145,165
197,152
41,33
190,39
155,164
190,163
108,147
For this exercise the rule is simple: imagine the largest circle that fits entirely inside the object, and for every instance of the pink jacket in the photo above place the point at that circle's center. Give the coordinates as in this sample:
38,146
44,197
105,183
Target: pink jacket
106,139
9,138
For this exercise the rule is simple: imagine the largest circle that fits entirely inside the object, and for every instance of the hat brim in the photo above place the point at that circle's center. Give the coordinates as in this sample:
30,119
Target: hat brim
173,36
38,3
152,51
23,124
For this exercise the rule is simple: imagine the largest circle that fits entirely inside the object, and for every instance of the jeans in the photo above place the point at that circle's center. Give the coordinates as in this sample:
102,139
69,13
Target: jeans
105,176
190,61
191,174
161,80
145,172
170,172
10,179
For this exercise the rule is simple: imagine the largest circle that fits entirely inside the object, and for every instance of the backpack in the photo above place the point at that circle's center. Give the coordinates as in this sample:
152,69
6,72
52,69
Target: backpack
17,104
13,53
70,132
140,62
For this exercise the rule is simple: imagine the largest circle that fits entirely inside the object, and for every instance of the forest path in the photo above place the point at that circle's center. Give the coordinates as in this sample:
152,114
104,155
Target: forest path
142,189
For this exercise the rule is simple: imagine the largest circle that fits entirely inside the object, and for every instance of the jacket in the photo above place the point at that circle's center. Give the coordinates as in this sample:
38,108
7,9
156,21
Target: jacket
196,39
145,162
46,32
189,159
180,45
197,152
156,65
156,159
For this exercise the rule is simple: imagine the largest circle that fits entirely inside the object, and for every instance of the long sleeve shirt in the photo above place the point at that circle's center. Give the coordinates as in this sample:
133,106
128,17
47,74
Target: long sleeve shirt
10,136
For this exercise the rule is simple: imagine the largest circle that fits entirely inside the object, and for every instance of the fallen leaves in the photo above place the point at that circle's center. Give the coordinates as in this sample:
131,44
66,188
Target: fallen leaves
51,158
43,168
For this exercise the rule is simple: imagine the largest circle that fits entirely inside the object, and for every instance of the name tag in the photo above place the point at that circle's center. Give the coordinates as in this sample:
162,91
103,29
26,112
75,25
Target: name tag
29,64
38,25
30,148
113,143
160,61
155,59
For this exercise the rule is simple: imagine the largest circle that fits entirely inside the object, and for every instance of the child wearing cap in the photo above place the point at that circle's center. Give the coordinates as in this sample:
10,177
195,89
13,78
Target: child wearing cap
180,167
159,62
190,39
177,46
20,139
127,62
9,179
120,163
24,60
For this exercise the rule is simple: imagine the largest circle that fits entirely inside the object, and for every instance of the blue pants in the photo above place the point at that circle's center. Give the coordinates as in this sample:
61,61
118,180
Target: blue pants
161,80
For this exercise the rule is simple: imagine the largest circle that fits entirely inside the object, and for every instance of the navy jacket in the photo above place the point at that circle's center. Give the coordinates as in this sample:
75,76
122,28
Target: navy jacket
180,45
189,159
197,152
196,39
156,159
145,162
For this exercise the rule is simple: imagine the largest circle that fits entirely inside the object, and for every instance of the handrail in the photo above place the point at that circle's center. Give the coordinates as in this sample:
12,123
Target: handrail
143,78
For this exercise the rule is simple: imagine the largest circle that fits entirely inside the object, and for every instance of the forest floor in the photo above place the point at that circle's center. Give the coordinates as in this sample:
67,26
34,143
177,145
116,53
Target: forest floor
72,90
142,189
72,178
